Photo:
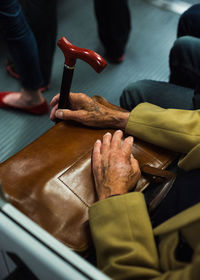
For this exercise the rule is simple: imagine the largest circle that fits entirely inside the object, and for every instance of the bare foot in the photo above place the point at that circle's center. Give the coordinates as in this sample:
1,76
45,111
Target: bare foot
24,98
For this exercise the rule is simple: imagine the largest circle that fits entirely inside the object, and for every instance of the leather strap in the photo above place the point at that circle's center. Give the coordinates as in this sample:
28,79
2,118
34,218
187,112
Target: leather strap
165,174
168,178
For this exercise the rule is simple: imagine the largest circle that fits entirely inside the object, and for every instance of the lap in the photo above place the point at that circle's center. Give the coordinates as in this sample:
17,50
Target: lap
183,194
162,94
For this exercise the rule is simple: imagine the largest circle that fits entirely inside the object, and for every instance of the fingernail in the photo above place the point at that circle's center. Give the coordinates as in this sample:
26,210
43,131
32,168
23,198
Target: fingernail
98,141
130,138
59,114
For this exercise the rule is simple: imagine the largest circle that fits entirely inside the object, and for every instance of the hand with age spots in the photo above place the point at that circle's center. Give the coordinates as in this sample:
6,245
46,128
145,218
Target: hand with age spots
88,112
115,169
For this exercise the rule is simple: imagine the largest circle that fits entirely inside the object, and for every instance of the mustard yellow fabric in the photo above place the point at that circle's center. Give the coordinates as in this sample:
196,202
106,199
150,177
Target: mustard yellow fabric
174,129
125,241
121,228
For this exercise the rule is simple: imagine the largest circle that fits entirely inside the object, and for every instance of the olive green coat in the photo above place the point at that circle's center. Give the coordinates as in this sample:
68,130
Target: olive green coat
120,226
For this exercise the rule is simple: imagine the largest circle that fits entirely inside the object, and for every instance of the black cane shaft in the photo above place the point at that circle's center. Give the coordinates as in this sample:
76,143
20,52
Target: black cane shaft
65,87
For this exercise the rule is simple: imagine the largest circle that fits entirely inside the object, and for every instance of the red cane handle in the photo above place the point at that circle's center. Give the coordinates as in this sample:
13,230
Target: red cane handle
72,52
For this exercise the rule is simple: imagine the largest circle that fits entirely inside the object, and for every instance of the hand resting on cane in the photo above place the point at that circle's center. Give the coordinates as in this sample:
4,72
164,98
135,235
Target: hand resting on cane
88,112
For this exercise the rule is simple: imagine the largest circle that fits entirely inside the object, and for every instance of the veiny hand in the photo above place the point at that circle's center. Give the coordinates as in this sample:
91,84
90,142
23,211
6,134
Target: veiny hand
88,112
115,169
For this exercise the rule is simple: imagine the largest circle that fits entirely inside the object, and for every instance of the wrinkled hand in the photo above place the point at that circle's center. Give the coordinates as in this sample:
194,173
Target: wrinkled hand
88,112
115,169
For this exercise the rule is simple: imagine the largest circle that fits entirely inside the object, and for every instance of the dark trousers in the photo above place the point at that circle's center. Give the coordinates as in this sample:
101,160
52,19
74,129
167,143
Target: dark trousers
184,194
42,18
184,61
189,22
21,43
114,24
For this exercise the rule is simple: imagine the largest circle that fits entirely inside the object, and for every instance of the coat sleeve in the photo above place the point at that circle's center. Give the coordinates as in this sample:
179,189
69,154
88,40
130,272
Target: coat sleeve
174,129
124,241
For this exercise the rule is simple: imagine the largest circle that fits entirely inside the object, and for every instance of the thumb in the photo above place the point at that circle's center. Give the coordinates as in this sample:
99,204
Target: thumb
67,114
135,165
59,114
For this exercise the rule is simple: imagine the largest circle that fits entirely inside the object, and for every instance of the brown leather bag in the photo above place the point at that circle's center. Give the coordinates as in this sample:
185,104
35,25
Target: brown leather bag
51,180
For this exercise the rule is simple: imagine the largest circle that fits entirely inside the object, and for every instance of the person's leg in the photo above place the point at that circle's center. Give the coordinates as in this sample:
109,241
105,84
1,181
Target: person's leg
159,93
23,48
114,24
189,22
42,18
21,43
184,62
183,194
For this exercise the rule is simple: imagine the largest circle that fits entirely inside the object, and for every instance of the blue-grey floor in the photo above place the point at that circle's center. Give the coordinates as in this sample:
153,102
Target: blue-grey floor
153,33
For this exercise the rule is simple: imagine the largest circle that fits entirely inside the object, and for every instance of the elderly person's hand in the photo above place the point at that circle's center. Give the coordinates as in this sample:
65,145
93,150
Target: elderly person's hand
88,112
115,169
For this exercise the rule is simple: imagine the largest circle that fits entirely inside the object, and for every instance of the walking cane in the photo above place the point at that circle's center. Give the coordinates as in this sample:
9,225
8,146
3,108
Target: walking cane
72,53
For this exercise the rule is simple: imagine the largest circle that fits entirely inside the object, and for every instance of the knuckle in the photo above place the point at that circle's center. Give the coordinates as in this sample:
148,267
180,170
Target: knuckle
138,172
81,95
136,162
